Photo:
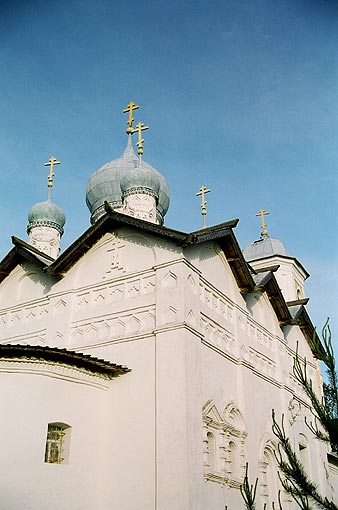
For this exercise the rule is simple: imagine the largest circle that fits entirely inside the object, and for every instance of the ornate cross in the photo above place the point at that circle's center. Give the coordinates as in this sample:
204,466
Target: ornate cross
51,162
262,213
131,106
139,128
203,190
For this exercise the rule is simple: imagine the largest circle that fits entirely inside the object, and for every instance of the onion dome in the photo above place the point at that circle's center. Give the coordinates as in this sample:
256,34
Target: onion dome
142,180
264,248
46,214
120,176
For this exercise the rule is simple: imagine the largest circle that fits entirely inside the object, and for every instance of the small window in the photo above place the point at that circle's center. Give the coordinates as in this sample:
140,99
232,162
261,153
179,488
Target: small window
233,459
212,451
303,452
57,443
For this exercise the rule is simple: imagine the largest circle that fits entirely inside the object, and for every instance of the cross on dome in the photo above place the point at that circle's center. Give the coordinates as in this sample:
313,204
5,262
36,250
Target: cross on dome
139,128
131,106
51,162
128,183
202,192
262,213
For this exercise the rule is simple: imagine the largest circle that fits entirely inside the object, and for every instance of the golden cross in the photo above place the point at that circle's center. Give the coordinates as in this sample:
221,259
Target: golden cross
139,128
203,190
51,162
131,106
262,213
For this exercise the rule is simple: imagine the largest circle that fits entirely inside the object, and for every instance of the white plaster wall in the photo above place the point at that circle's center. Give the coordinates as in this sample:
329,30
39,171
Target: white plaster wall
186,332
31,402
289,275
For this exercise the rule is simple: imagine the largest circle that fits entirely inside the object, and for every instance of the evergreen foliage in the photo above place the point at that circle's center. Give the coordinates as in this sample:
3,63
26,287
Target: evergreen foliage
294,479
248,491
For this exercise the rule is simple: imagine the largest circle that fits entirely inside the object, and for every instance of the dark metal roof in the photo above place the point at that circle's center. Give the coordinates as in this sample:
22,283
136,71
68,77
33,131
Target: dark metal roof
112,219
19,243
109,221
64,357
292,313
248,280
22,252
301,318
266,281
303,301
283,257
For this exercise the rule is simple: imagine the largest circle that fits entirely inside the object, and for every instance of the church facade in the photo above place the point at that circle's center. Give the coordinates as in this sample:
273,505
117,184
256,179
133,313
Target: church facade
139,368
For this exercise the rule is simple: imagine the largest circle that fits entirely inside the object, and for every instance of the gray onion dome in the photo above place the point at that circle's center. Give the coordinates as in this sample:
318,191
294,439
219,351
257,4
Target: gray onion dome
120,176
140,179
46,214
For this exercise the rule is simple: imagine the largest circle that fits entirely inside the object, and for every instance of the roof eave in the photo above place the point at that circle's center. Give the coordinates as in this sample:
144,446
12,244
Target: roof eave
301,267
301,318
19,253
270,285
63,356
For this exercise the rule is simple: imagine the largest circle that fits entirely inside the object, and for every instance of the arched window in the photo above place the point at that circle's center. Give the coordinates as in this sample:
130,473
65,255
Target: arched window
233,459
235,437
57,443
223,445
303,452
212,440
269,481
212,451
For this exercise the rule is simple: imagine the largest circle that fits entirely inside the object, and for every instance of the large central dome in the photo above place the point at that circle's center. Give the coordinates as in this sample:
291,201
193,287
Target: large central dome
105,184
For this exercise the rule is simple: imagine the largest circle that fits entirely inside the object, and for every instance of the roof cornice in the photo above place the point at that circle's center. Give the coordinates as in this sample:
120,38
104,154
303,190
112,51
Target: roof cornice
62,356
21,252
266,282
221,233
285,257
301,318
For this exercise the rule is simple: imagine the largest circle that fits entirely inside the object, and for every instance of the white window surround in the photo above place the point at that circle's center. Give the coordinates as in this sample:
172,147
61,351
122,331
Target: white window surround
57,443
223,445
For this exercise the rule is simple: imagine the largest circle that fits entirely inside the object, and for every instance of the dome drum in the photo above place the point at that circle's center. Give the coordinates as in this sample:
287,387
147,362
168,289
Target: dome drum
45,223
140,190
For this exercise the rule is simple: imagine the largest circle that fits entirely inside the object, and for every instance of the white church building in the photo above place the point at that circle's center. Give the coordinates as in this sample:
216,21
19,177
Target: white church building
139,367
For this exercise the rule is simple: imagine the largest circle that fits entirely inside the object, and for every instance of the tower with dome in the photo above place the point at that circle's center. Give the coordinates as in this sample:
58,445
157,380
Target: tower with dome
133,363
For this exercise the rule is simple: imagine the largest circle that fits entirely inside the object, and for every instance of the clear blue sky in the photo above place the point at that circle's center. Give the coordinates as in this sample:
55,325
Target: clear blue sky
239,95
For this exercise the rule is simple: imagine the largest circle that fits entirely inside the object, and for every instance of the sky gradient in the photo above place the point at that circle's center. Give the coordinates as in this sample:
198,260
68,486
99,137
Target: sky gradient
239,96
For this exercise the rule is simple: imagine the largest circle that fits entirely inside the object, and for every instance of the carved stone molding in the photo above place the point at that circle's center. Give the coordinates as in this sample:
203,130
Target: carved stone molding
217,335
113,326
217,302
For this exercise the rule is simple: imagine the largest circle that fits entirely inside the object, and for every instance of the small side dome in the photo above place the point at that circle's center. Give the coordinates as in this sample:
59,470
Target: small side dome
264,248
46,214
141,179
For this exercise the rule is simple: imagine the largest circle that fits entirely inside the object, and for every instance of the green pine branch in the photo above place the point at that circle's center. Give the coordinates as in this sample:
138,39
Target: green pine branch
295,481
248,491
324,410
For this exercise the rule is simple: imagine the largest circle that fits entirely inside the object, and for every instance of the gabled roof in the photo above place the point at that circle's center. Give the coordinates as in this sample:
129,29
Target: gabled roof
301,318
266,281
291,313
221,233
248,280
226,239
62,356
20,253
